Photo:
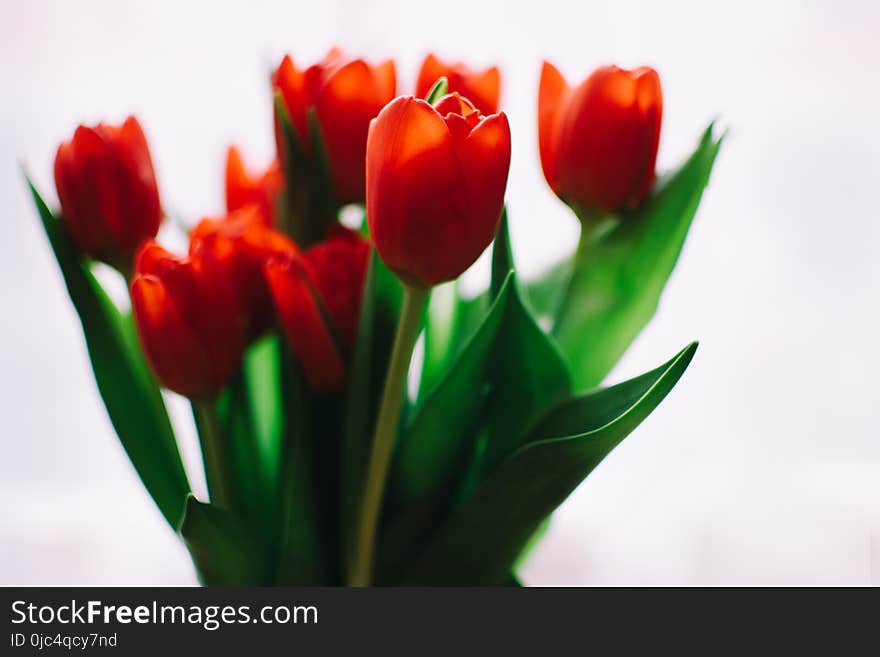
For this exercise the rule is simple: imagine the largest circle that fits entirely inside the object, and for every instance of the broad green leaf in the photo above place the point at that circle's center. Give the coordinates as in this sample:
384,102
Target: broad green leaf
433,451
528,374
262,376
300,551
224,548
544,293
482,539
619,274
129,391
251,416
380,309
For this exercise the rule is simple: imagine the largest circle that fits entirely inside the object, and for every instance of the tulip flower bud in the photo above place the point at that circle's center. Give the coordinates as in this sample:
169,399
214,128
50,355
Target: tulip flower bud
345,95
240,244
186,316
245,188
338,266
435,186
599,141
107,188
481,87
318,299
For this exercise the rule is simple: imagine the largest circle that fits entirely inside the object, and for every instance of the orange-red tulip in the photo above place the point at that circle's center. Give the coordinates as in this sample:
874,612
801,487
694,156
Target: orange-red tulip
107,188
241,244
186,316
245,188
435,185
345,94
481,87
599,140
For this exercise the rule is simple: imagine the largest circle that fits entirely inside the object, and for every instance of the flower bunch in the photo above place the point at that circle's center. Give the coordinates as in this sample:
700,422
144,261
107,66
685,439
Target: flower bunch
293,335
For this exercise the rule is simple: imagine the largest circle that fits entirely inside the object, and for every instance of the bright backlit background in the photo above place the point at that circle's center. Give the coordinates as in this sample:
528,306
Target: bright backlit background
762,466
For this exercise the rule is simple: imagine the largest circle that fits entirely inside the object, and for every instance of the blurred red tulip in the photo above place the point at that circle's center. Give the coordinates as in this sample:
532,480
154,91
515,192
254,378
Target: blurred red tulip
107,188
599,140
305,323
481,87
435,185
240,244
317,299
186,316
345,94
245,188
337,267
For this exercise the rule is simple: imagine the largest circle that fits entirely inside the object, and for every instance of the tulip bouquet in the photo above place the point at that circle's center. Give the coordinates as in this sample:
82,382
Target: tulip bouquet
331,455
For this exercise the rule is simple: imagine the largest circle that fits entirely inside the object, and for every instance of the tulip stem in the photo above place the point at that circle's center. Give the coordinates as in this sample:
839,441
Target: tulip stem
214,452
361,573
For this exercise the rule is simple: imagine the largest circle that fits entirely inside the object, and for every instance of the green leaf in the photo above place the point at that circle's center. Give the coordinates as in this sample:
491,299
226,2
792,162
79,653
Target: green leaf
380,309
437,90
544,293
482,539
309,206
434,449
129,391
301,557
224,549
528,373
262,377
250,410
439,333
502,256
619,274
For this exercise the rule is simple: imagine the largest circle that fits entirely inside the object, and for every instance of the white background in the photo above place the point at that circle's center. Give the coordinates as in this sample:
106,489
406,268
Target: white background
762,466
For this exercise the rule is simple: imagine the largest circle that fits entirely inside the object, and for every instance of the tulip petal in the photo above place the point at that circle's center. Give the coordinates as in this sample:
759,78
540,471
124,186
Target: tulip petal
304,325
172,349
385,76
485,158
553,92
431,70
345,105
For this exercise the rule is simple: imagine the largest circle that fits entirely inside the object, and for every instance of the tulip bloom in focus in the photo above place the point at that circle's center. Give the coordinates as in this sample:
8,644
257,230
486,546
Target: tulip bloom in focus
240,244
107,188
186,316
246,188
345,94
599,141
482,88
435,186
317,299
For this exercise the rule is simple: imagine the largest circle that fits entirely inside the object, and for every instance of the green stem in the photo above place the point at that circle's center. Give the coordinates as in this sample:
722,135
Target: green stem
361,573
215,453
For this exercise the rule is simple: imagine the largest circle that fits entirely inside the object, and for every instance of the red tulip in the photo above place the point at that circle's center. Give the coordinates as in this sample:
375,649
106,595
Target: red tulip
345,94
107,189
435,185
337,266
186,316
599,141
240,244
245,188
481,87
305,322
317,299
